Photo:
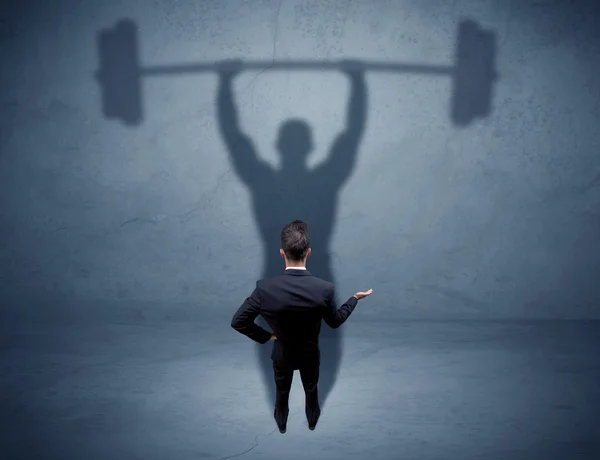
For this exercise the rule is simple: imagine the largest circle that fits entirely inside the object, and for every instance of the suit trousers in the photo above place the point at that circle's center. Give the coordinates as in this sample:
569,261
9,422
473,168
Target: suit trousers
284,374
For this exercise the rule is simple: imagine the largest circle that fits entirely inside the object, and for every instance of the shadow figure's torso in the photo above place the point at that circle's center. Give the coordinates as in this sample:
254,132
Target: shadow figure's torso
305,195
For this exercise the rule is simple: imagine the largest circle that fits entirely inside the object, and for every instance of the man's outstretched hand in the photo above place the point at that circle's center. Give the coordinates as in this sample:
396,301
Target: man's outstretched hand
362,295
273,337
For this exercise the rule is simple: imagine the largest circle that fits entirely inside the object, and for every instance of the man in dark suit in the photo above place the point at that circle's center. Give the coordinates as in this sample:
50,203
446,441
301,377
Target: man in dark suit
293,304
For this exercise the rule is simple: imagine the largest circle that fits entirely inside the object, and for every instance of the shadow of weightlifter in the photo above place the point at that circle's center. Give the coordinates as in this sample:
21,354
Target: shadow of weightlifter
292,192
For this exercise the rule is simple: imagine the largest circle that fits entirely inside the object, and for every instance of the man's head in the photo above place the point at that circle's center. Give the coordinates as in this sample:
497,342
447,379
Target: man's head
295,242
294,143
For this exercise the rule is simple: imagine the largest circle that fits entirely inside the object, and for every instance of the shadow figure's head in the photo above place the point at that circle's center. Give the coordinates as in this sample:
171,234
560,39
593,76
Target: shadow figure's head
294,143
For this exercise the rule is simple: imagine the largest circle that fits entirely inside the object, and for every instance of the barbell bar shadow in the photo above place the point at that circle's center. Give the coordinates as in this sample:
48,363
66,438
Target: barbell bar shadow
120,72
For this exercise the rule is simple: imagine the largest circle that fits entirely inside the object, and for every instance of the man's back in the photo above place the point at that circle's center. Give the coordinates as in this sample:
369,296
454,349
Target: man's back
293,304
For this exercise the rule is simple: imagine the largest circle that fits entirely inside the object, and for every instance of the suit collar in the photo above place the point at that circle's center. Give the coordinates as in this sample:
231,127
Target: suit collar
296,271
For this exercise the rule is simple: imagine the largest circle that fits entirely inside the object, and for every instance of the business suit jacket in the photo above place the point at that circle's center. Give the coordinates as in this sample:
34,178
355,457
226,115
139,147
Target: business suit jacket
293,304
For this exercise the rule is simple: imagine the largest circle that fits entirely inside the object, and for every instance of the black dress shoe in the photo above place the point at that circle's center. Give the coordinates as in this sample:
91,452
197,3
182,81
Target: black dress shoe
313,415
282,428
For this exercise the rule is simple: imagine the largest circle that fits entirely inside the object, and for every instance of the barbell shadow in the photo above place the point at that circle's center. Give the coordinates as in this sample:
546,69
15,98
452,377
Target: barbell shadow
473,72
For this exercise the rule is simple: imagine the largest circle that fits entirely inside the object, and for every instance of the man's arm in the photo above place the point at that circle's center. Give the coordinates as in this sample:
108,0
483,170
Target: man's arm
335,317
243,320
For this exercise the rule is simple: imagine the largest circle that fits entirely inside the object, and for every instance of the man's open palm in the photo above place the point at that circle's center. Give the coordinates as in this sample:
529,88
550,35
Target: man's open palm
362,295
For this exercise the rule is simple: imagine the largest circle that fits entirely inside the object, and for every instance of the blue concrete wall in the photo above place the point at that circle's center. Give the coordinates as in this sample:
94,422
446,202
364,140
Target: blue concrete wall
499,219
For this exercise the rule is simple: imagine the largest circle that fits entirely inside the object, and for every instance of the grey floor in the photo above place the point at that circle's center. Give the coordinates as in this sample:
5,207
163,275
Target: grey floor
416,390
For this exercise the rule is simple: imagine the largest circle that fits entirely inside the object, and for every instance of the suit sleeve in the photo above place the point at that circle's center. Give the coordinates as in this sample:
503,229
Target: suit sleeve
243,320
333,316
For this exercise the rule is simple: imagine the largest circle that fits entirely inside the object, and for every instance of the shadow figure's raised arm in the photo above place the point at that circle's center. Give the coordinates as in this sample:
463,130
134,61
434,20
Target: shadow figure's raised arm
248,166
342,158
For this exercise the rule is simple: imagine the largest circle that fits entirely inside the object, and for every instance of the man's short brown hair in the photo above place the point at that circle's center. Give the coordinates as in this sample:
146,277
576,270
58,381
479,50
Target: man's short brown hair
295,240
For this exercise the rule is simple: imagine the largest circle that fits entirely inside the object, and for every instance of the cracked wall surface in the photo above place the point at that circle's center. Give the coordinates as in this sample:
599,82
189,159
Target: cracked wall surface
496,220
